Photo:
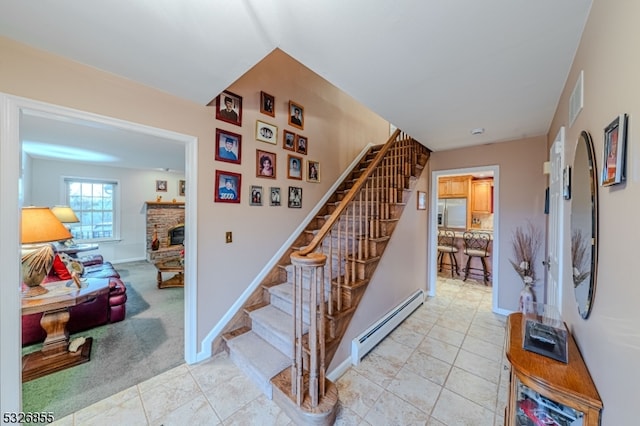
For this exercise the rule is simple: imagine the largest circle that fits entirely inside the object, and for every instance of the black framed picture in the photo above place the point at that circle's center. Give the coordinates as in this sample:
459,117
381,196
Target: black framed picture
295,197
267,104
274,199
296,115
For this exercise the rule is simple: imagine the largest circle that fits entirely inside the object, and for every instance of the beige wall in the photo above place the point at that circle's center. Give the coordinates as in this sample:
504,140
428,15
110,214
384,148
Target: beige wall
521,187
609,340
337,127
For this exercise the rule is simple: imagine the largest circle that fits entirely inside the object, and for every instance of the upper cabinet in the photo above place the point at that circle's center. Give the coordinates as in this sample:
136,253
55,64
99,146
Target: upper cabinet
482,196
453,187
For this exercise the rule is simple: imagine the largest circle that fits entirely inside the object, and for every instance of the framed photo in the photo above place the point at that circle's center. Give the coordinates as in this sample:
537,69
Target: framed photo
288,140
161,186
227,187
313,171
267,104
274,199
302,143
294,167
229,108
229,146
265,164
615,144
266,132
422,200
182,185
256,196
296,115
295,197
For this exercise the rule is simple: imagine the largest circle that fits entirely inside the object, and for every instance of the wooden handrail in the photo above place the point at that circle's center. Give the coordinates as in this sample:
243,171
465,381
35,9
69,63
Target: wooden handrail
350,196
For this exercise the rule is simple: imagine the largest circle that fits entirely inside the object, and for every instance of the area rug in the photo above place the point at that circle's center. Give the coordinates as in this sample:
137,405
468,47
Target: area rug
149,341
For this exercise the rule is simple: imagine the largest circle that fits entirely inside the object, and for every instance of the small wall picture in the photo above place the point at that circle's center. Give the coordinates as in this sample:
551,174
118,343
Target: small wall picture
256,196
182,186
229,147
265,164
266,132
302,143
615,141
288,140
227,187
295,197
274,199
566,182
229,108
313,171
267,104
422,200
294,167
296,115
161,186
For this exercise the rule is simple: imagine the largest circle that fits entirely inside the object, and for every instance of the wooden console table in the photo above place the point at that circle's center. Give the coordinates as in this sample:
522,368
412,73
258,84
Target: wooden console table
541,386
170,265
54,305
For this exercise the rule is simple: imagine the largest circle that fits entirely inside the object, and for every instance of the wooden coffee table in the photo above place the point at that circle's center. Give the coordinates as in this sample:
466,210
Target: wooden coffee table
170,265
54,305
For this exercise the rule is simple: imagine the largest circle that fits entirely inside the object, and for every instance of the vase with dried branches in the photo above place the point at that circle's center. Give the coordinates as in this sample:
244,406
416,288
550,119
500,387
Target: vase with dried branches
526,241
579,257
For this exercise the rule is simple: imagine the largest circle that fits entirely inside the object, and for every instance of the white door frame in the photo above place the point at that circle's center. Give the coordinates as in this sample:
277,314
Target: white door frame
554,262
11,109
433,228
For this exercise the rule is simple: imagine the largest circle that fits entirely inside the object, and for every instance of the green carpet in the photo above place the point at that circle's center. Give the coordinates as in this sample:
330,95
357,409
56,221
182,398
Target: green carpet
148,342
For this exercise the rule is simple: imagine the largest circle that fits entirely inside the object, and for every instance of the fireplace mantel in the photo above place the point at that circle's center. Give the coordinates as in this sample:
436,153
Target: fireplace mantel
162,216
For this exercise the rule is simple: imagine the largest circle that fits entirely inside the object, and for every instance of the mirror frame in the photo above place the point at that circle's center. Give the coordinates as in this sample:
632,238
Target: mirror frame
585,138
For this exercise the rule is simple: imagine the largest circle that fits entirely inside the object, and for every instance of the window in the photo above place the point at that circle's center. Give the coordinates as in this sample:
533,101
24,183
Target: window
93,201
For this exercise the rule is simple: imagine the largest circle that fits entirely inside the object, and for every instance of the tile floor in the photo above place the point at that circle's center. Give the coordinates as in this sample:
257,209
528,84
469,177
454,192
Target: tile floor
443,365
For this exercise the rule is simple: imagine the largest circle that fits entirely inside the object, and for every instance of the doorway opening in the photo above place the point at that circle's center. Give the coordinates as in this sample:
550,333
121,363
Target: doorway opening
464,219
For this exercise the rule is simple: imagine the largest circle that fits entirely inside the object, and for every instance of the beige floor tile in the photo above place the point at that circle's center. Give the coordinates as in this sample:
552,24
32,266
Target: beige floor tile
428,367
417,391
391,410
406,336
452,409
454,323
260,411
229,397
128,399
347,417
483,348
196,412
357,393
178,371
472,387
478,365
130,413
169,395
439,349
446,335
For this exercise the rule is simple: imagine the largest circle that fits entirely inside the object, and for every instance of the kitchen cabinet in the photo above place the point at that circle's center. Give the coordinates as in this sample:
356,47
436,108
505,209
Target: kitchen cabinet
545,391
482,196
453,187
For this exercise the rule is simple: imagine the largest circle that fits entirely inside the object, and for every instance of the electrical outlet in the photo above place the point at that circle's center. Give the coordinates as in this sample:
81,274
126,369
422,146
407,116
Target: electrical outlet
228,238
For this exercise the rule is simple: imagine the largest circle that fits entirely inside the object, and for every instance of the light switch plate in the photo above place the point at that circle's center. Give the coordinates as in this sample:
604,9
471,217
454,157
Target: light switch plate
228,237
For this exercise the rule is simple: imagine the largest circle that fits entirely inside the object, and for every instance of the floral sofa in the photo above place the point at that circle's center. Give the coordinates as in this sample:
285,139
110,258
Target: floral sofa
107,308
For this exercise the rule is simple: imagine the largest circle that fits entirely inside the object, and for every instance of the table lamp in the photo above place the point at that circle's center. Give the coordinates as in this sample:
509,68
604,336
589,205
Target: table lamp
66,215
39,227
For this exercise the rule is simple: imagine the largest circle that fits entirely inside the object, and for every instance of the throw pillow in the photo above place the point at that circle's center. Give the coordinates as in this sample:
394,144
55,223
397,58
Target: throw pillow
71,264
60,269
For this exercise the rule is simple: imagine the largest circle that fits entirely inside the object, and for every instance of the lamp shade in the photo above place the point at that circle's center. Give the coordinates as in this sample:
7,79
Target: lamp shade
39,225
65,214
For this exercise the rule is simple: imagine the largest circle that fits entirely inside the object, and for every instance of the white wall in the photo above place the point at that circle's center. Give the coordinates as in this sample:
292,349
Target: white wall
134,188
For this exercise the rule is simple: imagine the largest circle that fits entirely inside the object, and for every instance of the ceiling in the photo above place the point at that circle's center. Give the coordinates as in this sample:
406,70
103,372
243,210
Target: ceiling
436,69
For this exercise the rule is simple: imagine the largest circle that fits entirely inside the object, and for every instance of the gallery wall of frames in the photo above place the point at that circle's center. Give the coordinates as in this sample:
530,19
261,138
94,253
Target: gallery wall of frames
290,143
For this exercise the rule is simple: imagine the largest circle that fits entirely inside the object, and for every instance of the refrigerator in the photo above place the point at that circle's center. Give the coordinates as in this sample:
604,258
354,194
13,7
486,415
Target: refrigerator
452,213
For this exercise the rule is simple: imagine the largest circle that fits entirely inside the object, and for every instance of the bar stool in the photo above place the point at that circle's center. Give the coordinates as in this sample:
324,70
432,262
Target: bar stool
446,244
476,244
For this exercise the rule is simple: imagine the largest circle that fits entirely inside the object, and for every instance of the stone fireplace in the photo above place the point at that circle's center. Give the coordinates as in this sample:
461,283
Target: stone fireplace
168,219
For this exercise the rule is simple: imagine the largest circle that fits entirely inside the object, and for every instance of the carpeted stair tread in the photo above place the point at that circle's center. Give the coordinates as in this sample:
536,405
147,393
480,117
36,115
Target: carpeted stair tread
274,326
258,359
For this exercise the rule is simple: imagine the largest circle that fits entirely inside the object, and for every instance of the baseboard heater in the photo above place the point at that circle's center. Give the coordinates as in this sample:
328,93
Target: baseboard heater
362,345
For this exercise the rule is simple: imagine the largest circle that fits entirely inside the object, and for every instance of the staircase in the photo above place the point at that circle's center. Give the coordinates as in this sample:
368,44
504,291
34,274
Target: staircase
321,278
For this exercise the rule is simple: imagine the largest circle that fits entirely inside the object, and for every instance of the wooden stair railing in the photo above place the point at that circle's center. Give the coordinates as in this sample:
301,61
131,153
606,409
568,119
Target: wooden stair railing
350,240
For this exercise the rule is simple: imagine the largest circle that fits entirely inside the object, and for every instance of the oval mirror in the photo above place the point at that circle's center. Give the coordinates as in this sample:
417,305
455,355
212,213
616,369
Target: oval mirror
584,224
